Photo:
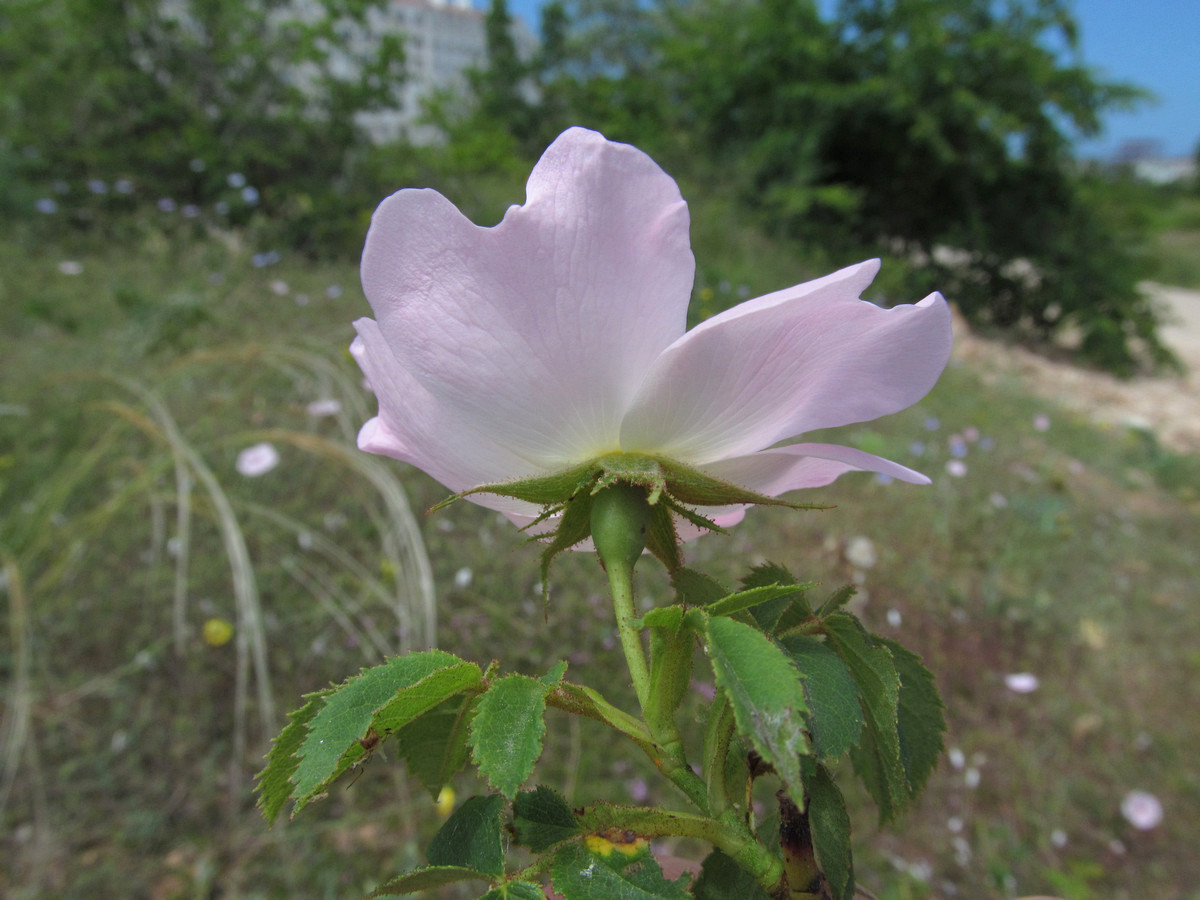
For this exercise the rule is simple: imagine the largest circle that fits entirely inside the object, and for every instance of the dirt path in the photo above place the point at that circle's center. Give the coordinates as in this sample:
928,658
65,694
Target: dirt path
1169,406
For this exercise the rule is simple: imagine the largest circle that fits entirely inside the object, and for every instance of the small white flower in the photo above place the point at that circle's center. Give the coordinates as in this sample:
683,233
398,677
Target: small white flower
333,291
955,824
1142,810
956,468
70,267
860,551
279,287
894,618
1021,682
123,186
957,758
1041,422
320,409
1058,838
998,500
249,195
463,578
257,460
971,778
235,180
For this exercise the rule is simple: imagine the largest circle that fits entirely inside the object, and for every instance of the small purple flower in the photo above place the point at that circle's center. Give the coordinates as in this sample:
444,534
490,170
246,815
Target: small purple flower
46,206
166,204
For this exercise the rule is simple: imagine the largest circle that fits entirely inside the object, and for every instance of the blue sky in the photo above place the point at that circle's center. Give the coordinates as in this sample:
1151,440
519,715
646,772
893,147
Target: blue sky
1152,43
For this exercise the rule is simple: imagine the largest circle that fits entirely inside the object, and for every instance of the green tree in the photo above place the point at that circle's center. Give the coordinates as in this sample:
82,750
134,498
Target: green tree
141,89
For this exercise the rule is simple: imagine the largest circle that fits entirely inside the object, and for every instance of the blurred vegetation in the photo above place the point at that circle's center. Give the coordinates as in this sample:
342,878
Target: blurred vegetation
935,133
128,735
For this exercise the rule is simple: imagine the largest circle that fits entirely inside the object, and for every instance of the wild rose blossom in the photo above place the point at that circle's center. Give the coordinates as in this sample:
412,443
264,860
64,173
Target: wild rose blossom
558,336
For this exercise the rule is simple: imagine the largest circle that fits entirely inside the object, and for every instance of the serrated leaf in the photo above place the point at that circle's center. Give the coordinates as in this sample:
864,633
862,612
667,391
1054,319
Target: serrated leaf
275,780
837,600
332,744
723,879
415,700
516,890
747,599
697,589
541,819
613,872
765,692
556,673
829,824
428,877
434,746
471,837
835,717
769,615
921,722
507,731
877,757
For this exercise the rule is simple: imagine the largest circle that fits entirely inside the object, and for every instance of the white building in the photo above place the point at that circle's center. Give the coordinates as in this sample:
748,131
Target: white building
442,40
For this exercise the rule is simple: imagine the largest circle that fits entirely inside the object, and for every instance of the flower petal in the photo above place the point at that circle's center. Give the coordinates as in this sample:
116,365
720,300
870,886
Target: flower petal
812,356
781,469
533,336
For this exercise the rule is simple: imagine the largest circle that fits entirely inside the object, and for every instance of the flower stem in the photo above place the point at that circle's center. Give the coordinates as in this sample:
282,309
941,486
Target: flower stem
620,582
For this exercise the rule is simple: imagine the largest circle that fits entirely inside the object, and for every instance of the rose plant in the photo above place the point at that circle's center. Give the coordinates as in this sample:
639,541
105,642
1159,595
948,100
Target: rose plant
541,368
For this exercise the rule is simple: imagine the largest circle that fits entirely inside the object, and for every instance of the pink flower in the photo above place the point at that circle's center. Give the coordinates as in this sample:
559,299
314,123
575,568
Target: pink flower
558,336
257,460
1142,810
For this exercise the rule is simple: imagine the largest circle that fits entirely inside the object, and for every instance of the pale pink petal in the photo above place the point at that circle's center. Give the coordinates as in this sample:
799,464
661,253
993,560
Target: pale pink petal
809,357
414,427
796,466
532,336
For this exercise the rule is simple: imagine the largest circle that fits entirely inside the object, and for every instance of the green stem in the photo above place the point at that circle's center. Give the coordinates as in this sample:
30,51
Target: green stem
726,834
620,582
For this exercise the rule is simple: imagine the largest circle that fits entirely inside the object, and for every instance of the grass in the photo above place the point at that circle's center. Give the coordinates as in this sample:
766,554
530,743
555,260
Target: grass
129,389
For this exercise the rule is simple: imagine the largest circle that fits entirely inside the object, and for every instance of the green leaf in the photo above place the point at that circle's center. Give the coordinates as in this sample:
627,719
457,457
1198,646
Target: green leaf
835,717
837,600
770,615
434,746
398,690
922,721
275,780
742,600
471,837
507,731
607,871
877,757
541,819
723,879
765,692
556,673
829,824
428,877
697,589
515,890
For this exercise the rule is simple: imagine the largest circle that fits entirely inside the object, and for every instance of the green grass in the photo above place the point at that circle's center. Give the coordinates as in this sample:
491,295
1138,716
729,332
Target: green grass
1068,552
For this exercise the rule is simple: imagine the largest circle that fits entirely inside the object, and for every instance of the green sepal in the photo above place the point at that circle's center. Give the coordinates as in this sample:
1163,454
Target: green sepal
695,488
624,872
472,838
541,819
507,731
546,490
428,877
